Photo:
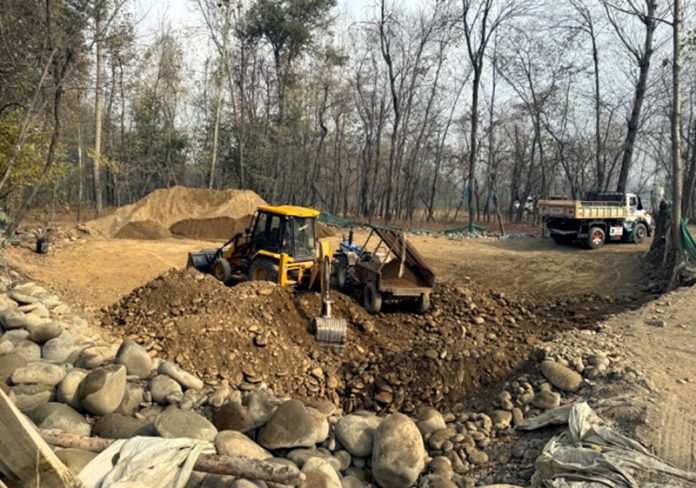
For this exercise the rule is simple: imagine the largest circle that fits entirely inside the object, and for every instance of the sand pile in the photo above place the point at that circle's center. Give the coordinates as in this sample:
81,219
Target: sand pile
255,332
154,215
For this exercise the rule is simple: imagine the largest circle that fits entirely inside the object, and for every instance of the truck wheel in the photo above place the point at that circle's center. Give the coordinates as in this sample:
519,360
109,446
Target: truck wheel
372,298
595,237
222,270
263,269
640,232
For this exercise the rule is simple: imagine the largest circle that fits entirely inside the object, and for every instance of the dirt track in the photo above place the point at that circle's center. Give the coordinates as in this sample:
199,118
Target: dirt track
96,272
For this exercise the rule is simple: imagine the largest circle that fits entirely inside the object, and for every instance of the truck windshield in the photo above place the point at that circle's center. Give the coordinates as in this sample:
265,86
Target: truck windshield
304,236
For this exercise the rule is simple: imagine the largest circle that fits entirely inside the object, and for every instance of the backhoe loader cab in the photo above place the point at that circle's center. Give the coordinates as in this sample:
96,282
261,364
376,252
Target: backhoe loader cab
288,230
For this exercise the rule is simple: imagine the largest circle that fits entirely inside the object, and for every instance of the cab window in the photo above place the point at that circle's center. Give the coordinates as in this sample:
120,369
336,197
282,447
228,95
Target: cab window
632,202
304,236
267,232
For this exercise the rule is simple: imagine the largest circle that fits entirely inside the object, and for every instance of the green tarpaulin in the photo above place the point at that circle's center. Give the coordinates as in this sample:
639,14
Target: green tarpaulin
330,219
688,240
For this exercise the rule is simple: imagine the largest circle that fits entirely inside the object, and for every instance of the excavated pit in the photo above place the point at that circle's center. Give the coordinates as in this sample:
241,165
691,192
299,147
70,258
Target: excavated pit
471,340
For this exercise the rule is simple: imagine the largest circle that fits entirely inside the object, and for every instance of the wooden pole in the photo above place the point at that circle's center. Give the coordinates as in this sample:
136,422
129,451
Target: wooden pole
242,467
25,459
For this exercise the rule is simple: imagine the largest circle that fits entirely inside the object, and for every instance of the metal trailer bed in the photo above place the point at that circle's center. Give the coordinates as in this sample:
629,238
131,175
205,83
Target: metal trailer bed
393,268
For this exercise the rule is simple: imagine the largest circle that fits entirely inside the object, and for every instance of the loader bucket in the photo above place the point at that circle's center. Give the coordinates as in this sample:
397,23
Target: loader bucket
331,332
202,260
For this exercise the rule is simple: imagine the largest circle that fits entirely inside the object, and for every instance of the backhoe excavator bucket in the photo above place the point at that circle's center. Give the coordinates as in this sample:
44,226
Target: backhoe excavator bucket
202,260
329,331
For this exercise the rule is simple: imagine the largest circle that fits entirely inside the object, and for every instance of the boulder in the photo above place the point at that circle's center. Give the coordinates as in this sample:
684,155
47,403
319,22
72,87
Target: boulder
29,397
560,376
9,363
132,398
22,298
259,407
6,346
102,389
501,419
94,356
429,421
355,432
174,422
135,358
75,459
546,400
117,426
39,372
67,389
45,331
16,335
301,455
398,454
164,389
233,416
59,416
319,474
28,350
232,443
294,425
187,380
13,319
61,349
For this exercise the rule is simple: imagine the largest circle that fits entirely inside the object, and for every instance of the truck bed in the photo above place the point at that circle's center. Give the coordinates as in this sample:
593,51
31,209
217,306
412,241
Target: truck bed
579,209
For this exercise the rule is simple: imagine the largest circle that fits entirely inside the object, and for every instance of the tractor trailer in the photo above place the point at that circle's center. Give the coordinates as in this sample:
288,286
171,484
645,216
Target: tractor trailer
601,217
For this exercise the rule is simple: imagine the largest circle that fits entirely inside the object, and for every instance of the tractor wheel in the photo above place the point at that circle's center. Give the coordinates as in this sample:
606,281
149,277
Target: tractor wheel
222,270
640,232
372,298
263,269
423,303
341,273
595,238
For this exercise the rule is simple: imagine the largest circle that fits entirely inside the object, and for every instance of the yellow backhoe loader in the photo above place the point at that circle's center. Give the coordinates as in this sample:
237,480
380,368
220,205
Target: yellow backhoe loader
281,246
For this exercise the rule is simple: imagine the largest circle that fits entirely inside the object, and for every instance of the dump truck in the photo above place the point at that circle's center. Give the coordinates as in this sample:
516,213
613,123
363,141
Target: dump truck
280,246
600,217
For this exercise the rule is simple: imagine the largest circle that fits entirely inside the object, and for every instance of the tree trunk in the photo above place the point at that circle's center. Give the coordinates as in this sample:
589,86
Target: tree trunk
216,131
677,163
634,120
98,113
478,68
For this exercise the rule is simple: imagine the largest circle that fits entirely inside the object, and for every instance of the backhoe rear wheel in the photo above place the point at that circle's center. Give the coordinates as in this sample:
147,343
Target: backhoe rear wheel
222,270
263,269
595,238
372,298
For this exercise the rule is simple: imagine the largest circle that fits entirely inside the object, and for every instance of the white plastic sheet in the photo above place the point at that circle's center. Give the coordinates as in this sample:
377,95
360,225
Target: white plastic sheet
144,461
590,454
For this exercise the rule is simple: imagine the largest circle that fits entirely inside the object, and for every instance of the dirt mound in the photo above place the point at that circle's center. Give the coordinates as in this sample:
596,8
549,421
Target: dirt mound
324,231
215,228
166,207
143,229
256,332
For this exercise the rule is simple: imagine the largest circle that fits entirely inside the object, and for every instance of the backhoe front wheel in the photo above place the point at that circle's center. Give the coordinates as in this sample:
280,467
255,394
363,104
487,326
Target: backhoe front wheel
372,298
263,269
595,237
222,270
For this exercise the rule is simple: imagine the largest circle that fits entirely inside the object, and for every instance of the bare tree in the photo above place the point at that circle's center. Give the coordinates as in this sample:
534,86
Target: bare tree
480,19
677,163
642,56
